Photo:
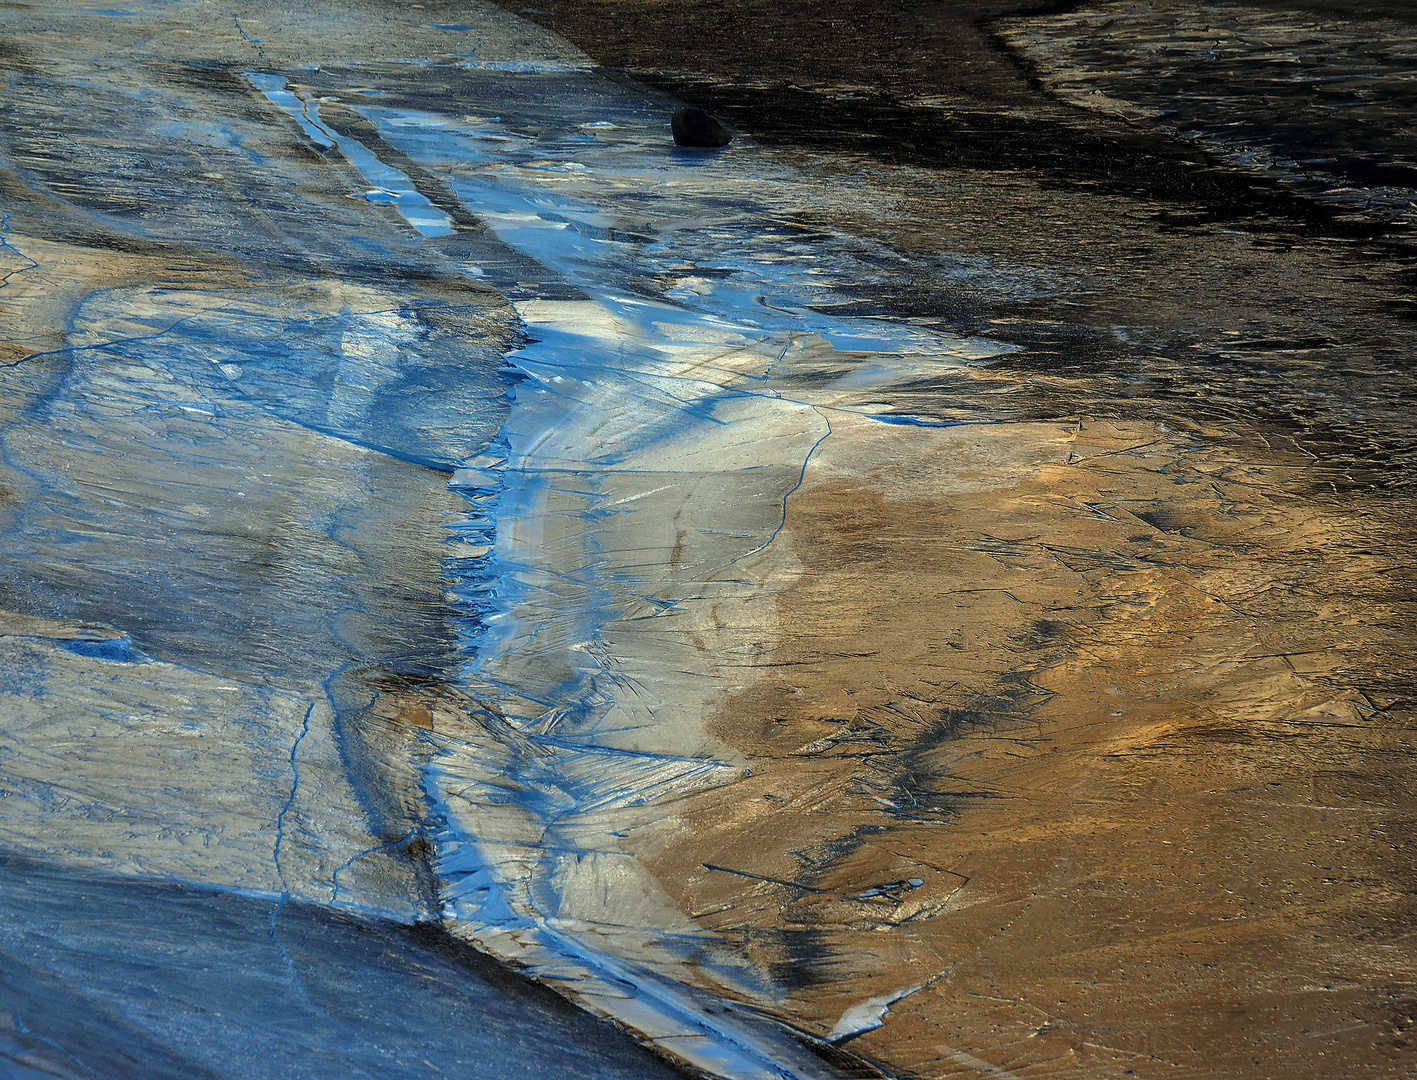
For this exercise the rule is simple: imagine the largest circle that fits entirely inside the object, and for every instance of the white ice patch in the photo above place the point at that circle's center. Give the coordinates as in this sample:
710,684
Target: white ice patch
868,1015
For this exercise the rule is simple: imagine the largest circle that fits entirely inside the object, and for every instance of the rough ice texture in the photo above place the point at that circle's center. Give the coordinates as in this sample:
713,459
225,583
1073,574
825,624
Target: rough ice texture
747,679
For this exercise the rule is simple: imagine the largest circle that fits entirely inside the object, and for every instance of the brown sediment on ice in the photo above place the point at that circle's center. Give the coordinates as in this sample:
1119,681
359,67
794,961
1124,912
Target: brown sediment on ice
1086,746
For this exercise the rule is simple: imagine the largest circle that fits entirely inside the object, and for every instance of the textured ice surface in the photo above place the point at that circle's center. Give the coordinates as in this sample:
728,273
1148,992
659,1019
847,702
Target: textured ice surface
231,396
269,445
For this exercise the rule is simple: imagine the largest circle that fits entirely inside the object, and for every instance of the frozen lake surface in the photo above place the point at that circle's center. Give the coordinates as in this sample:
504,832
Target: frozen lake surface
400,442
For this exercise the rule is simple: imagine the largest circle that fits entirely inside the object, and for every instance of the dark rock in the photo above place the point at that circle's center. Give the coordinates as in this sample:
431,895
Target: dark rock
694,127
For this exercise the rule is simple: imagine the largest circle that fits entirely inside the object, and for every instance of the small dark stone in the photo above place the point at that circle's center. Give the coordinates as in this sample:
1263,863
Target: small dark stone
693,126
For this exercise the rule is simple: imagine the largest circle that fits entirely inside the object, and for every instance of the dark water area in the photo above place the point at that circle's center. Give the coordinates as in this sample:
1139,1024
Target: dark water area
264,370
1317,101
